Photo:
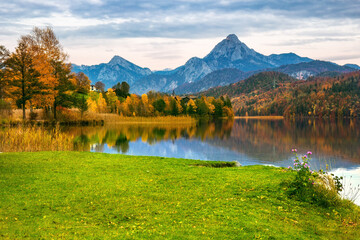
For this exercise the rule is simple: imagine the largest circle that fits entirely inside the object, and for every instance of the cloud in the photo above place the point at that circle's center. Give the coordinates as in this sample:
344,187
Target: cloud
294,23
344,57
177,18
305,41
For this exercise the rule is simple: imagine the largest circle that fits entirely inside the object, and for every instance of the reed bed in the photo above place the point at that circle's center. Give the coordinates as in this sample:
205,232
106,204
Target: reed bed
73,115
34,138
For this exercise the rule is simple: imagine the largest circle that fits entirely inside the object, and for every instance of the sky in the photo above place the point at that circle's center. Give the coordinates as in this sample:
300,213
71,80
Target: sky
162,34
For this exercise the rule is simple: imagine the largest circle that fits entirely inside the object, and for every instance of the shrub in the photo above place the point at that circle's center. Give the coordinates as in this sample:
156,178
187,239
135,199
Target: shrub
316,187
5,109
33,115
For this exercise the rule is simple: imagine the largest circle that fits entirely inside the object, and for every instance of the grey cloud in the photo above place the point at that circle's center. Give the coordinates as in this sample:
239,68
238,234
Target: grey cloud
186,18
344,57
18,9
311,40
143,8
219,25
300,9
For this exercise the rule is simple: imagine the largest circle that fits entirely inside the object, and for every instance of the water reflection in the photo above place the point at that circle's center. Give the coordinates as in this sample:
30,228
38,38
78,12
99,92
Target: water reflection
271,141
247,141
262,141
118,137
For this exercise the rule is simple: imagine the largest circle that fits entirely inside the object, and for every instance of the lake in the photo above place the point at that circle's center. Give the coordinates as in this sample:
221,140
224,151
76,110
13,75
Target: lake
335,144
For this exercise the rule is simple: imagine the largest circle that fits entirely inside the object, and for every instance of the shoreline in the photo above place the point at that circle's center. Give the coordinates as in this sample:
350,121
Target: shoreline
260,117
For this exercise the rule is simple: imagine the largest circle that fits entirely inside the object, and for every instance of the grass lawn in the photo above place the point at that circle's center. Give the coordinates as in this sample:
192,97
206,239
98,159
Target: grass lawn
77,195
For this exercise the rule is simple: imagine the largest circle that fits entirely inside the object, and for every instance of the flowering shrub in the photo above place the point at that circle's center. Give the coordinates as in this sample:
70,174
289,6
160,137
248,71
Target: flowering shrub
309,185
304,177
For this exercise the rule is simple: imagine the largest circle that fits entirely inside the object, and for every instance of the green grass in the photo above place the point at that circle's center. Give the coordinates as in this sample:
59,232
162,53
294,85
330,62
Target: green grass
73,195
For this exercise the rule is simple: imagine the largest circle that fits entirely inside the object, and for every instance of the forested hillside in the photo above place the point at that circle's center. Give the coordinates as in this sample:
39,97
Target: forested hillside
278,94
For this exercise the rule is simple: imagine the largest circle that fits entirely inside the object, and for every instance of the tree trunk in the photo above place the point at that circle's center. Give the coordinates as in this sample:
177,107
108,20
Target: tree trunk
23,91
23,108
55,110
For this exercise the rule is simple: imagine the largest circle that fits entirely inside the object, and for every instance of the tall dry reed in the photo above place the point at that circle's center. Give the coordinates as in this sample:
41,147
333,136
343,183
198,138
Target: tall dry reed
34,138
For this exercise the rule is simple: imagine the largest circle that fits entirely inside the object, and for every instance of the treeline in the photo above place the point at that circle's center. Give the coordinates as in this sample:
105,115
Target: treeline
37,76
157,104
322,97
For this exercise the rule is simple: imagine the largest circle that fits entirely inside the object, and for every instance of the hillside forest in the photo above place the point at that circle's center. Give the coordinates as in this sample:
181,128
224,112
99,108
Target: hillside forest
274,93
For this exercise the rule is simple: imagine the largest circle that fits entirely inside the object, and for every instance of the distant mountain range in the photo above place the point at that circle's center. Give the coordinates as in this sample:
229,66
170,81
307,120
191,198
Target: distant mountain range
229,61
299,71
313,68
353,66
117,70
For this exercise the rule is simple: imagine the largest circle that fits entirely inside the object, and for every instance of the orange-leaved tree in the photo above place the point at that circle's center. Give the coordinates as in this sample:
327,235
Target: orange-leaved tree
55,73
21,74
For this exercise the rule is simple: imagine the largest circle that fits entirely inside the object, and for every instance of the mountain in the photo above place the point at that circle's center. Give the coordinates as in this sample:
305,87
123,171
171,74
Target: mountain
305,70
232,53
352,66
117,70
259,82
216,78
299,71
194,76
229,53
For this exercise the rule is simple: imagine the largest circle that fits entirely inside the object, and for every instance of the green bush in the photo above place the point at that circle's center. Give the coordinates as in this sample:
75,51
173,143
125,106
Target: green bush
319,187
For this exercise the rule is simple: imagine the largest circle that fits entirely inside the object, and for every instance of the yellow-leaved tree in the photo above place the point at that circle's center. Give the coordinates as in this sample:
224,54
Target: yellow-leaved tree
101,104
111,100
191,107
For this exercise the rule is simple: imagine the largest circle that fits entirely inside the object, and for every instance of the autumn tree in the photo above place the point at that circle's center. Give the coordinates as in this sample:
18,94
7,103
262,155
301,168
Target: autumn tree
82,83
122,89
4,54
24,79
5,107
111,100
100,86
50,63
92,105
191,107
101,104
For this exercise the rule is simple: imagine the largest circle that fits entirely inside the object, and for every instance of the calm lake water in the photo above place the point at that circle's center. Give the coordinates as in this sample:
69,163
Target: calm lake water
251,141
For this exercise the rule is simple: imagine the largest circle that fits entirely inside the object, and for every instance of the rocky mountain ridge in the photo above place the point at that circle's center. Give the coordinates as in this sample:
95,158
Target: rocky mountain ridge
230,53
116,70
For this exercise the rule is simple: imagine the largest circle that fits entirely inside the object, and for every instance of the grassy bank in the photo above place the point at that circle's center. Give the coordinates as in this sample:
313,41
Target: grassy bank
69,195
